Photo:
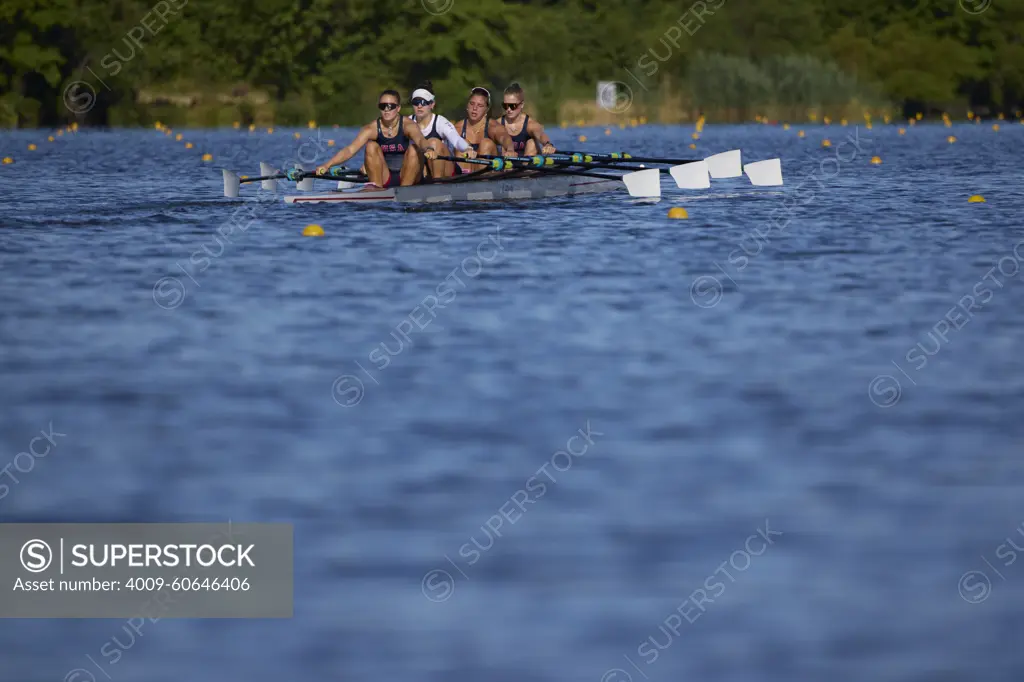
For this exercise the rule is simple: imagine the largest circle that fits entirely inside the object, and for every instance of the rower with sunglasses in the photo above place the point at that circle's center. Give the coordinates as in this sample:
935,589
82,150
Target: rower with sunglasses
393,146
482,132
526,135
440,133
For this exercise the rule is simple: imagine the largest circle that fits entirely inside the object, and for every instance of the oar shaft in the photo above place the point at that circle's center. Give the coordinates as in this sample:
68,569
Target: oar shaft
562,161
306,175
460,159
625,156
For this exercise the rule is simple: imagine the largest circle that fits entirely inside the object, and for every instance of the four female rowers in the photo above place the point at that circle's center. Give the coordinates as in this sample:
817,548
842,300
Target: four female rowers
411,146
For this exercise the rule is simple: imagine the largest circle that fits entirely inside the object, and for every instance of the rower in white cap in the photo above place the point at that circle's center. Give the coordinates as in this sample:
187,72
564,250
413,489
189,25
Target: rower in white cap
440,133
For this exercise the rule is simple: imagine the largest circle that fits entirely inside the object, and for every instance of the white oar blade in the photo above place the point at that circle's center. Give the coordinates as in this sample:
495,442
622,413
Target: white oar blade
691,175
231,183
645,183
725,165
265,170
764,173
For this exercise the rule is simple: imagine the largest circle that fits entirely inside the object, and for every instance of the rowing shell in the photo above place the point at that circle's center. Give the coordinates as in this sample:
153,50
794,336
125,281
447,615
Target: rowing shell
481,190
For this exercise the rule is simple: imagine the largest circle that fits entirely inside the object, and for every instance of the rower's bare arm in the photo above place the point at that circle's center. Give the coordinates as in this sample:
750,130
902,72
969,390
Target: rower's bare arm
366,133
413,132
497,132
536,131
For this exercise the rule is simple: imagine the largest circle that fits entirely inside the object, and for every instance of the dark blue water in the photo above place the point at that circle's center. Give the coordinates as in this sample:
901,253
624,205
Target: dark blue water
835,367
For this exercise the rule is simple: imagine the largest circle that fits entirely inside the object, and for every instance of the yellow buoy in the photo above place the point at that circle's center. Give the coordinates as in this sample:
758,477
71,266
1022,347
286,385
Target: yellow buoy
1001,117
177,138
970,115
678,213
693,146
207,157
582,138
695,136
313,231
8,160
236,125
643,120
976,199
607,131
168,132
188,145
827,120
800,133
995,127
50,138
885,119
622,126
919,116
59,133
826,142
842,122
330,143
297,136
311,125
868,125
252,127
951,139
563,125
902,131
911,122
270,131
876,160
581,123
31,147
158,125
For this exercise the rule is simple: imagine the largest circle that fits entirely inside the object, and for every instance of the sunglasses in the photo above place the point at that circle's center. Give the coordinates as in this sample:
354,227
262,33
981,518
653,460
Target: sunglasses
387,106
420,102
511,106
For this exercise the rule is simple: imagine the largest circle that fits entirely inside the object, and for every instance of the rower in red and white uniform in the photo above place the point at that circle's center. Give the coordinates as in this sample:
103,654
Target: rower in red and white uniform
393,145
527,135
440,133
482,132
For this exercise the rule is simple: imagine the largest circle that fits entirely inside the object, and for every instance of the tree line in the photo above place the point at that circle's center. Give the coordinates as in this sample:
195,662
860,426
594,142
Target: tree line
214,62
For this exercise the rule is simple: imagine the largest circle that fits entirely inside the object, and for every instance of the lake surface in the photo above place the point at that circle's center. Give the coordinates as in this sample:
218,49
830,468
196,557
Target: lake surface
801,455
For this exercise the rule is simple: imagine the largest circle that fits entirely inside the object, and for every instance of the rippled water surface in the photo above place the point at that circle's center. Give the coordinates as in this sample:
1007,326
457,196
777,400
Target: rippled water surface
839,362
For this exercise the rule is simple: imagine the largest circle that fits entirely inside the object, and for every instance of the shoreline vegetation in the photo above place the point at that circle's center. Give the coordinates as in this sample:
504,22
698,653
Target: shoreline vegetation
215,64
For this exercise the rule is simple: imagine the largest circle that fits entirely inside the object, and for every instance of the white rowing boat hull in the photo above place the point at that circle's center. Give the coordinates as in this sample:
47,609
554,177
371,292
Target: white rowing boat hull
480,190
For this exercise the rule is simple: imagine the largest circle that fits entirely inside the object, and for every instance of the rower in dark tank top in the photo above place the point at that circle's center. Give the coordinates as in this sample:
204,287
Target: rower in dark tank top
528,137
